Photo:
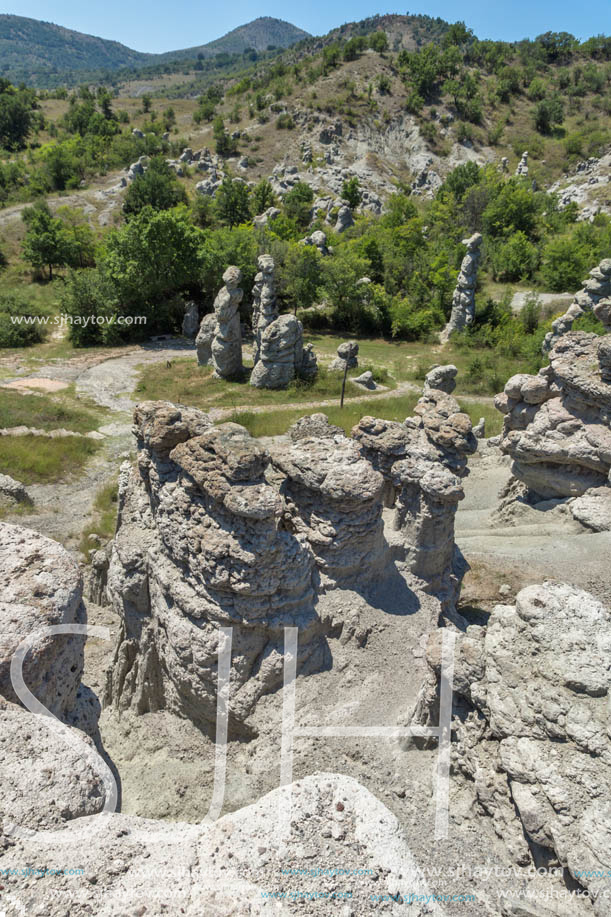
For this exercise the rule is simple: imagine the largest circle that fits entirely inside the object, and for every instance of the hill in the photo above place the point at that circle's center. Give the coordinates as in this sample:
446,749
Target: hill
44,54
260,34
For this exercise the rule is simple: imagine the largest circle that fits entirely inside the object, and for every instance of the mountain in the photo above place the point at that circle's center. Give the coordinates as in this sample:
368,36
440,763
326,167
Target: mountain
258,34
41,53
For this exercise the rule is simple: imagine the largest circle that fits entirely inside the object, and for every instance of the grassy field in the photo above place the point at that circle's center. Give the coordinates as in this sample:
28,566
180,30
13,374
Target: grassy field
275,423
38,460
48,412
186,383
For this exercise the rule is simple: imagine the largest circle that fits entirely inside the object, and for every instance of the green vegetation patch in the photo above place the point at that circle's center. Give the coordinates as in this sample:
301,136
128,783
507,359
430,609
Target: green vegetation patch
104,517
47,413
39,460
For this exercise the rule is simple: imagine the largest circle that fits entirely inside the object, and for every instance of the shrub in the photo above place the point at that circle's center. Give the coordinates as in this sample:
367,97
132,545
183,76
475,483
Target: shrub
22,334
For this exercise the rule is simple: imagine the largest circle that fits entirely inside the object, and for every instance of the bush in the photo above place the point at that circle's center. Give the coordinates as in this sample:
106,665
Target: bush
13,334
516,259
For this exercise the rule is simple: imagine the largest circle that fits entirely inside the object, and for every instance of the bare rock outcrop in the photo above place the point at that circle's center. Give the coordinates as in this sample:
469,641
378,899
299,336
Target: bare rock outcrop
203,543
557,426
463,300
522,167
190,322
531,694
279,353
442,378
596,288
41,587
204,339
241,864
227,342
422,461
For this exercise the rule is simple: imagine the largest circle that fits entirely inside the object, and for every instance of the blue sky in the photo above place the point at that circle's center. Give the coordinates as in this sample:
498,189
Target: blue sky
156,25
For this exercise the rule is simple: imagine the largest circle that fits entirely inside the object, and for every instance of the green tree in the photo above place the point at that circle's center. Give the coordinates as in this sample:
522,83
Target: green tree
351,192
299,277
80,238
16,115
548,113
298,204
158,188
146,102
378,42
232,202
225,145
46,243
516,259
263,197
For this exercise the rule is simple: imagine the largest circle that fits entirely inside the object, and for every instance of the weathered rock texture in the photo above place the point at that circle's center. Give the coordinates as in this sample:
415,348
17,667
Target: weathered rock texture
557,426
40,586
231,866
264,305
48,773
596,288
227,342
442,378
531,692
279,353
422,461
463,300
203,542
215,531
204,339
347,355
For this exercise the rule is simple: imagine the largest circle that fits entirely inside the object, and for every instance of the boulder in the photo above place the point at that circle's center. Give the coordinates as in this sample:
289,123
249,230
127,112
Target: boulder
344,219
280,353
593,297
442,378
347,356
14,491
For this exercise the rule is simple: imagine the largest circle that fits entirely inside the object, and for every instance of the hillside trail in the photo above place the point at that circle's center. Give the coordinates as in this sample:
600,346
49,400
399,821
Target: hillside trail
102,189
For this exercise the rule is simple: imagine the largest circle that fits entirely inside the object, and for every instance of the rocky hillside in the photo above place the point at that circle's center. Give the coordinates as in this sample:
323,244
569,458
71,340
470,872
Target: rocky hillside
259,34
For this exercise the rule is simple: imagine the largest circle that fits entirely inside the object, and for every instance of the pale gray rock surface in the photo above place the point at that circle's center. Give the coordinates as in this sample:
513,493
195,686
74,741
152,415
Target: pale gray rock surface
597,287
557,424
442,378
463,300
229,867
14,491
40,587
347,354
204,339
344,219
522,167
227,341
593,509
532,694
190,322
264,304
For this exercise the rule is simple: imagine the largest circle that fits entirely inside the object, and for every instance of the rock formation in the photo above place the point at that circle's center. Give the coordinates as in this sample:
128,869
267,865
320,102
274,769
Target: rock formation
557,423
531,697
279,353
344,219
231,866
204,339
190,322
422,461
596,288
214,530
347,355
442,378
319,240
264,305
522,167
227,342
463,300
13,492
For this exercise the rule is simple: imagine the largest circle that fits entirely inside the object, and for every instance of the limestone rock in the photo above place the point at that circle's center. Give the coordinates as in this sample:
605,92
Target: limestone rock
344,219
557,423
190,322
227,342
347,354
319,240
593,509
479,430
366,379
280,353
442,378
594,296
230,865
522,167
264,305
204,339
41,586
535,745
463,300
13,490
45,779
